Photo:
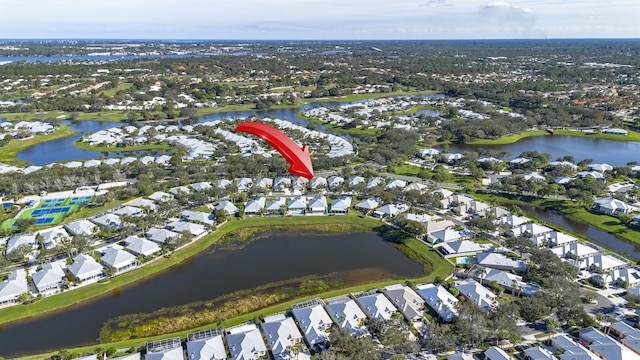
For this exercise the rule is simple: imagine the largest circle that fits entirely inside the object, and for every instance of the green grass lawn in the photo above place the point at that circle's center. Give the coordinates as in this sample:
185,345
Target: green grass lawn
407,170
86,146
9,151
510,139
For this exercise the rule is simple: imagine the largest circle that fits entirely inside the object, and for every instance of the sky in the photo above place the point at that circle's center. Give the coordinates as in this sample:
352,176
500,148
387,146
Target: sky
319,19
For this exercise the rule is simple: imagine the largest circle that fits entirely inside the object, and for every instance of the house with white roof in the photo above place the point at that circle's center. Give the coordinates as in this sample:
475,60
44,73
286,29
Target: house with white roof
21,239
341,206
605,262
109,219
416,186
356,180
463,248
566,164
446,235
264,183
395,184
207,345
282,183
452,158
228,207
245,343
519,162
444,193
281,333
170,349
201,186
576,249
255,207
297,205
572,349
140,246
318,205
600,167
347,314
49,279
85,268
440,300
628,274
557,238
13,286
509,281
179,190
334,181
390,210
410,304
514,220
376,305
318,183
496,353
134,356
610,206
160,196
500,261
313,320
192,228
376,181
594,174
199,217
606,346
128,210
539,353
427,153
461,356
476,293
223,183
276,206
127,160
144,203
366,205
118,259
161,236
92,163
538,234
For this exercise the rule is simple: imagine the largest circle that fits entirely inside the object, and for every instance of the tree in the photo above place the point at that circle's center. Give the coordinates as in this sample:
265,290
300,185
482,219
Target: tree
551,325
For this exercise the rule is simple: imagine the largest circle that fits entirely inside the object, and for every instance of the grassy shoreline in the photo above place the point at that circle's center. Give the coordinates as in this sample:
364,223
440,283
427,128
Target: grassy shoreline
10,150
439,268
510,139
84,146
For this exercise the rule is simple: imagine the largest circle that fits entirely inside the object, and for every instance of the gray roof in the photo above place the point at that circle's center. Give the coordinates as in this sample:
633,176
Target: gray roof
50,276
117,258
141,246
85,267
14,285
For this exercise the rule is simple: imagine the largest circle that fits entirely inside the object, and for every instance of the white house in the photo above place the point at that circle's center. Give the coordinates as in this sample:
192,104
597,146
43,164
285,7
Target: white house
335,181
390,210
318,205
463,248
572,348
539,353
118,259
245,343
21,239
199,217
170,349
281,333
579,249
366,205
500,261
341,206
228,207
207,345
377,305
496,353
192,228
509,281
606,346
255,207
630,275
53,236
538,234
477,294
160,196
446,235
440,300
161,235
313,320
610,206
111,220
347,314
49,279
13,286
85,268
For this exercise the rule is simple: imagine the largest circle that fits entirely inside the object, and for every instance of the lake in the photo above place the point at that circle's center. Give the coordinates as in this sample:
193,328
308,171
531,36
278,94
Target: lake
360,257
600,150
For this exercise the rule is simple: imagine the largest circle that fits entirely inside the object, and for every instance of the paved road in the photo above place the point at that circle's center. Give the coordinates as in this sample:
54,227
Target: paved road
604,304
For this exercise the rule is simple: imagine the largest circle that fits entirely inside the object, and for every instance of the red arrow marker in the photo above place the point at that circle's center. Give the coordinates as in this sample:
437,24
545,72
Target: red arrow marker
298,158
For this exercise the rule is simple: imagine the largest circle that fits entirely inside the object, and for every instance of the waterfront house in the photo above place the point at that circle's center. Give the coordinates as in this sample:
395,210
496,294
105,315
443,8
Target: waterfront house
500,261
452,158
206,344
118,259
376,305
228,207
49,279
594,174
600,167
192,228
318,205
427,153
557,238
341,206
477,294
297,206
281,333
605,346
604,262
514,221
440,300
85,268
462,356
313,320
168,349
366,205
255,207
610,206
276,206
616,131
390,210
578,250
140,246
347,314
134,356
565,164
245,343
198,217
519,162
13,286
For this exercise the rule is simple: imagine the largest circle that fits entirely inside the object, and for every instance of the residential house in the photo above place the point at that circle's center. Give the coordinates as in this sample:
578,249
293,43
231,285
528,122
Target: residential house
538,234
318,183
21,239
539,353
108,220
606,346
452,158
206,345
578,250
500,261
496,353
245,343
297,205
144,203
244,184
276,206
168,349
395,183
134,356
604,262
507,280
335,181
318,205
390,210
255,207
557,238
347,314
366,205
223,183
160,196
416,186
447,235
53,237
462,356
476,293
281,333
13,286
594,174
49,279
600,167
129,211
463,248
627,274
140,246
161,235
198,217
118,259
443,193
376,181
192,228
427,153
341,206
201,186
313,320
610,206
179,190
356,180
264,183
85,268
627,335
376,305
282,183
228,207
571,349
514,221
440,300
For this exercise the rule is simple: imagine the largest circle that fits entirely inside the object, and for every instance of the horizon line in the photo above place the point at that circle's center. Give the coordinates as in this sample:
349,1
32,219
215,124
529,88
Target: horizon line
313,40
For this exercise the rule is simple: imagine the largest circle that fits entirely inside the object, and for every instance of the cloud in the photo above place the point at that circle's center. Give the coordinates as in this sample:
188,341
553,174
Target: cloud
506,7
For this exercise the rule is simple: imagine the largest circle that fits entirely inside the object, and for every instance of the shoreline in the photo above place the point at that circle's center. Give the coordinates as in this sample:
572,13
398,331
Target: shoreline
10,150
511,139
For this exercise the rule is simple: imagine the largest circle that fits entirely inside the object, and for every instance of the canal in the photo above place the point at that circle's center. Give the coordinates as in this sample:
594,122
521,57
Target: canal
275,256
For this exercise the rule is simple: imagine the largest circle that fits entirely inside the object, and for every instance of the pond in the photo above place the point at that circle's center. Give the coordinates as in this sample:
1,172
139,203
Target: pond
276,256
612,152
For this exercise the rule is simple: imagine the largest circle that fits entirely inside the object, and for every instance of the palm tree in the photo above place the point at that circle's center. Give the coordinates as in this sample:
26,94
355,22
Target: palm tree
552,325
